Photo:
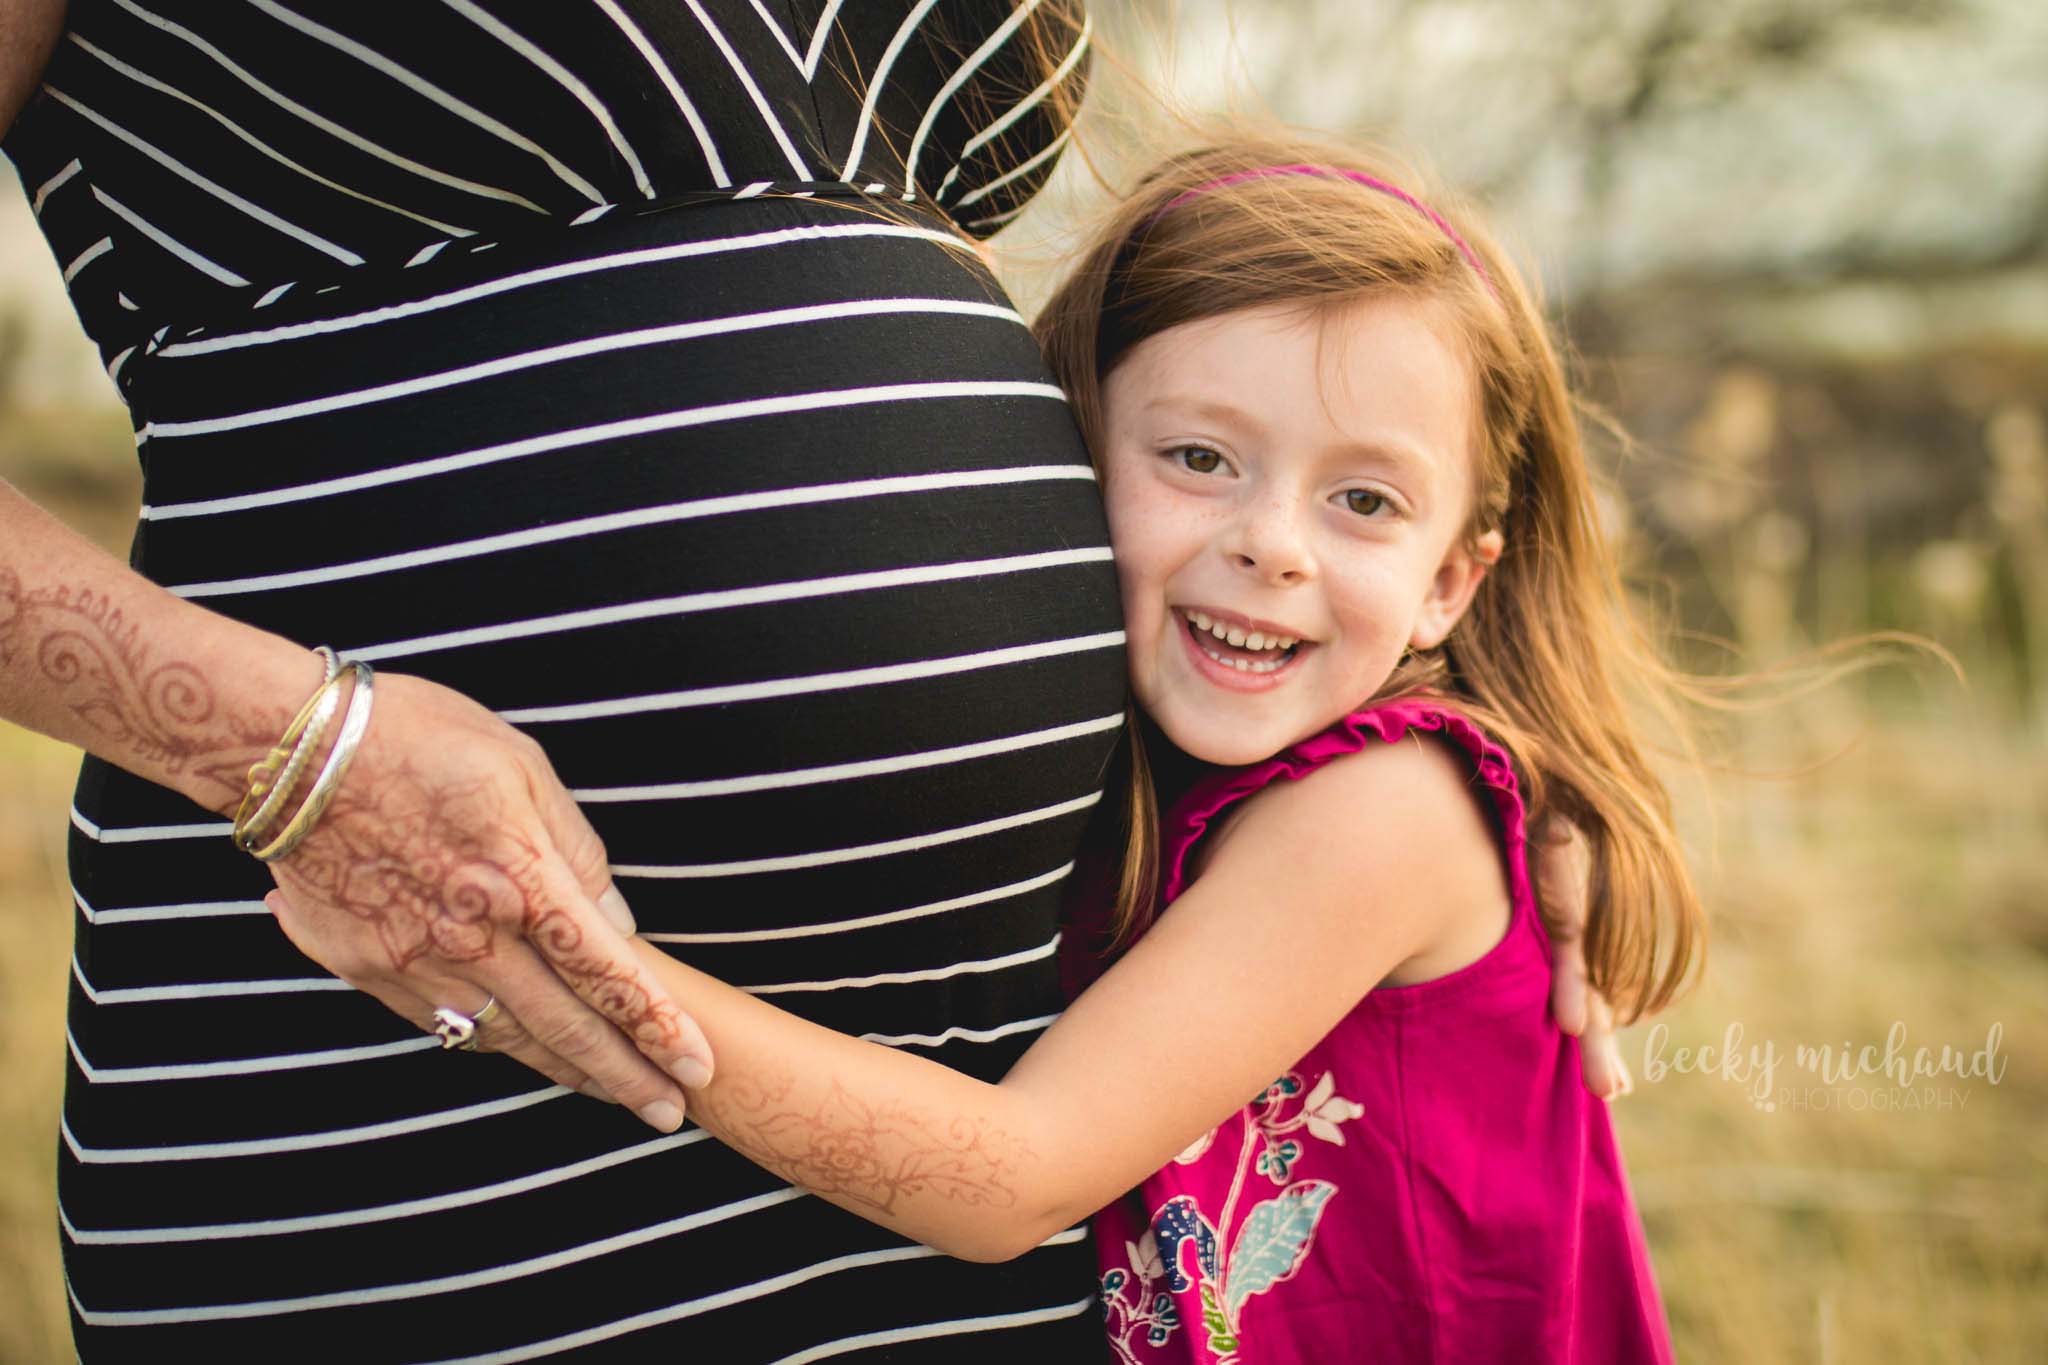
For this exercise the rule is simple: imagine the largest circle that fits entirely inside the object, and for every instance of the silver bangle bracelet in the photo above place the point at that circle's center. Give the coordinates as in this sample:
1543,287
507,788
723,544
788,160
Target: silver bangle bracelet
353,726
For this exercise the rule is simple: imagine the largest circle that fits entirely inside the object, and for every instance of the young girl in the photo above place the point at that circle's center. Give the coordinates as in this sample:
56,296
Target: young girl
1369,608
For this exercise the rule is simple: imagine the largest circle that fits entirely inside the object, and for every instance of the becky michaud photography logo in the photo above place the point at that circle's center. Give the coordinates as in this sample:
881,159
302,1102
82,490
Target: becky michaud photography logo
1825,1077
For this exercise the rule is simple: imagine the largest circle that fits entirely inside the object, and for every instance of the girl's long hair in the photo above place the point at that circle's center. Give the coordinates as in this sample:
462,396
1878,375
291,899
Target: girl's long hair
1549,656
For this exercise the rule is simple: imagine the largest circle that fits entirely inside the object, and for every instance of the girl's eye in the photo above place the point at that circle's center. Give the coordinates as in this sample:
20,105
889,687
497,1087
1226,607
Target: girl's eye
1365,501
1199,459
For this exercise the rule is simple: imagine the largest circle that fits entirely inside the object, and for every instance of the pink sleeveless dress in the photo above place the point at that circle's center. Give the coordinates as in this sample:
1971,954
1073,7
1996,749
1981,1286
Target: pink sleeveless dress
1432,1182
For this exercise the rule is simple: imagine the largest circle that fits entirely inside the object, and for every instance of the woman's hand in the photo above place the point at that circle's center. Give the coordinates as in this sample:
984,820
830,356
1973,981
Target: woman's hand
1561,865
453,867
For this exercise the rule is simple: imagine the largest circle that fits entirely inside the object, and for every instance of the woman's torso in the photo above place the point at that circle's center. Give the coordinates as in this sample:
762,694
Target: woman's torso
759,512
1431,1182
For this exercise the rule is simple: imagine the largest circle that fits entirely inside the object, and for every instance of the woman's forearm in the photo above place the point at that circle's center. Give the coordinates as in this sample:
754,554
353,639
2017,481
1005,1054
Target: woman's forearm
28,31
917,1147
95,655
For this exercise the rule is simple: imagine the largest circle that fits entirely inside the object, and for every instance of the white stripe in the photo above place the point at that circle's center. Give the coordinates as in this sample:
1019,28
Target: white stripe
148,81
212,187
420,85
1022,107
796,58
1024,168
426,253
730,597
87,257
675,92
168,242
128,304
869,921
967,71
563,77
382,1213
746,79
53,184
591,215
781,405
300,1142
579,349
930,1330
203,990
819,35
975,968
997,219
878,81
750,191
817,682
273,294
323,123
243,1066
443,1284
969,1035
842,772
114,365
826,857
143,914
677,1312
136,834
566,270
640,517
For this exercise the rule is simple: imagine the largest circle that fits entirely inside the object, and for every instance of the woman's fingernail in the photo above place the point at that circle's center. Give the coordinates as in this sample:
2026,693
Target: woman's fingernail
663,1115
691,1072
617,911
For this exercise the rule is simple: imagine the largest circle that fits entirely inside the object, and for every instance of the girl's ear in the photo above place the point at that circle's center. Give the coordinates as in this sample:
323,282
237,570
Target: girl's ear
1450,592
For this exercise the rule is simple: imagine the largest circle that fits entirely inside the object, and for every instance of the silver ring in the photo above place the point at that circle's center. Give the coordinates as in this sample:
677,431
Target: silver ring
458,1030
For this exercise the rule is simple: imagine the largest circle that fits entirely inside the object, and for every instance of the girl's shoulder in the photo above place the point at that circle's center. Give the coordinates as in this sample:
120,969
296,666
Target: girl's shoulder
1364,768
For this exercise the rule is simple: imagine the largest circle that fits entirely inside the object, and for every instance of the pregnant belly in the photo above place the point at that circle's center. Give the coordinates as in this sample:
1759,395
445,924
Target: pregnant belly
764,518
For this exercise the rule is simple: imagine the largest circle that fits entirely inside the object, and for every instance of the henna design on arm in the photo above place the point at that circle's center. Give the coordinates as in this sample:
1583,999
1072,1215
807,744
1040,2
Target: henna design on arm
873,1155
158,715
440,872
438,869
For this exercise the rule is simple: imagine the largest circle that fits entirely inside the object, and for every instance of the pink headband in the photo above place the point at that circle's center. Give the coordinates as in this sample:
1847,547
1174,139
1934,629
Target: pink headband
1338,172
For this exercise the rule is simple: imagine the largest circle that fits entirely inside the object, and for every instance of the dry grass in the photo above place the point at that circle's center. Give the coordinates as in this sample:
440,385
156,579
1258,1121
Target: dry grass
1903,882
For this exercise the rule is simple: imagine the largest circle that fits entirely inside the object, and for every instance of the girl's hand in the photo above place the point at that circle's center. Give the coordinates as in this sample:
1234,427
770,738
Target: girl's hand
453,867
1561,866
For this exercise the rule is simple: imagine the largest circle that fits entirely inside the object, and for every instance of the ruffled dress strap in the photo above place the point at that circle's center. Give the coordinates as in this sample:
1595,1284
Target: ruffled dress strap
1196,813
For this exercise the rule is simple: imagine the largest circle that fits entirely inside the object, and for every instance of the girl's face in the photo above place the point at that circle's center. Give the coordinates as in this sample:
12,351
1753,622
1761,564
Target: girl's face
1301,484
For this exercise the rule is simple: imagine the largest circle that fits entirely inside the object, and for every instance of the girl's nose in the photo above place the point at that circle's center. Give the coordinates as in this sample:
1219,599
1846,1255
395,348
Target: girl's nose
1267,540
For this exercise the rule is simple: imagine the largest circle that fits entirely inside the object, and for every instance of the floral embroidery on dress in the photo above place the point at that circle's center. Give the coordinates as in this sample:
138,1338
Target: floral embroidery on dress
1181,1249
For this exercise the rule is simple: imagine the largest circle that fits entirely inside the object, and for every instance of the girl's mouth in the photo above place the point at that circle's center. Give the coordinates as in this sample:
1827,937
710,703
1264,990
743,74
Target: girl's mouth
1246,656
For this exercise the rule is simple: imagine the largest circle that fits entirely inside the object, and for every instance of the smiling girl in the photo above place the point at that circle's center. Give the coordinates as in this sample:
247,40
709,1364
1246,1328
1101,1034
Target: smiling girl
1371,617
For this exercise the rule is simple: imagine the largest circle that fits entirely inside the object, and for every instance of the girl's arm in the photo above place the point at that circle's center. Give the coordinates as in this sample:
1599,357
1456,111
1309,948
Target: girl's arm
1296,916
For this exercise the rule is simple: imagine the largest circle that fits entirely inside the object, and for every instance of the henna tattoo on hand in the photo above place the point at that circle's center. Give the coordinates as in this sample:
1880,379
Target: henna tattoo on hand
440,872
159,714
874,1155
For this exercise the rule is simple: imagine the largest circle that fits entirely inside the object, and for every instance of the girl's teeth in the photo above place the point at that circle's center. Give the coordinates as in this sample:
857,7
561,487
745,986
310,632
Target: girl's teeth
1240,637
1246,665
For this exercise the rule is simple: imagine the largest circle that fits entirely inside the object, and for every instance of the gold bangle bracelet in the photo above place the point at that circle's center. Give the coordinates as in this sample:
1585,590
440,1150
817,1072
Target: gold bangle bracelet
272,781
353,725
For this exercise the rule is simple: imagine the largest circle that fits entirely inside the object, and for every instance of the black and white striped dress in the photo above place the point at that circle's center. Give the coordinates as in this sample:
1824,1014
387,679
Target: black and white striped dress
617,363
